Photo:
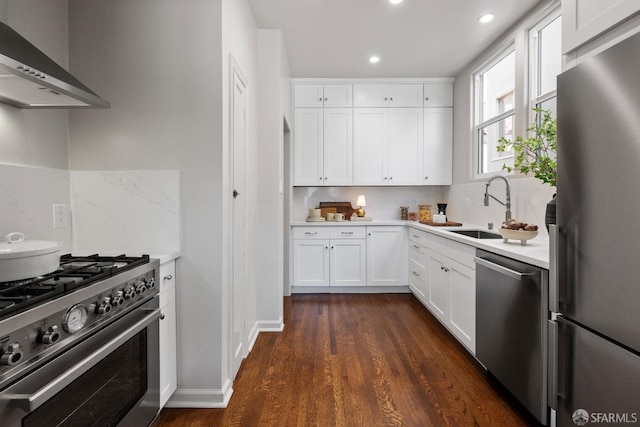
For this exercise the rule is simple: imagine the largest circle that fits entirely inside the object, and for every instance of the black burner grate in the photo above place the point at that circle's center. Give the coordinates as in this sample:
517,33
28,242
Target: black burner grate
74,272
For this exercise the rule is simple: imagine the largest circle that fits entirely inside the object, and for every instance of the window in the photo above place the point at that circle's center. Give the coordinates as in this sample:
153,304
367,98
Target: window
510,84
545,62
495,108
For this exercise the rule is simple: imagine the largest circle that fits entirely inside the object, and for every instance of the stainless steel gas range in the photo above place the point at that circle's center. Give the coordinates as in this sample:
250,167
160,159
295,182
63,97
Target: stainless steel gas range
79,346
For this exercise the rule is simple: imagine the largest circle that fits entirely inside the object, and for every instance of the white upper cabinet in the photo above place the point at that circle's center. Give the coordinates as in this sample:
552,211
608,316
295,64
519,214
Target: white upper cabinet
323,146
583,20
438,95
387,95
437,156
328,96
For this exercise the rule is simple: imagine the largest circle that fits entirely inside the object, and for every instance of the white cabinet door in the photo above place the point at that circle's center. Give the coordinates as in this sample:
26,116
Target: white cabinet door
383,95
308,96
338,96
338,146
404,146
310,263
370,95
405,95
348,262
438,95
462,314
369,146
438,298
308,146
583,20
168,346
437,166
387,256
168,330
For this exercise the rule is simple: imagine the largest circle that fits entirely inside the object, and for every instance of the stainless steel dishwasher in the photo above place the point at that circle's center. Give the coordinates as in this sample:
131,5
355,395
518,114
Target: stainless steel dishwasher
511,335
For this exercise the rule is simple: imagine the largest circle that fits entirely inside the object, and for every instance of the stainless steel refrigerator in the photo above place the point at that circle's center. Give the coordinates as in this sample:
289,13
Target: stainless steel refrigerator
594,326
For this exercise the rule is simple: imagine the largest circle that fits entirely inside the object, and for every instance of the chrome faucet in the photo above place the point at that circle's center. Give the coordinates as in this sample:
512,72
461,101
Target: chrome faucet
507,217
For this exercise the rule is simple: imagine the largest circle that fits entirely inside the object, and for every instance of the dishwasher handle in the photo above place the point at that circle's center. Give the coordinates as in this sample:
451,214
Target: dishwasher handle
500,269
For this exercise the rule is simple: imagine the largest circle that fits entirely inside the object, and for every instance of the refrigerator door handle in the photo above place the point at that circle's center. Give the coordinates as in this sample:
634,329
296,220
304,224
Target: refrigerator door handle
552,372
553,268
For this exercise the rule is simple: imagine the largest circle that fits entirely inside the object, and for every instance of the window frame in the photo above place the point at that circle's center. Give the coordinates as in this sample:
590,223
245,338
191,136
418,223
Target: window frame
524,100
505,50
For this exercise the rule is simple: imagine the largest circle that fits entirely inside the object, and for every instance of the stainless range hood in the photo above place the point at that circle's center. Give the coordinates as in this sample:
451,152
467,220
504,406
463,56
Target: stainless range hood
30,79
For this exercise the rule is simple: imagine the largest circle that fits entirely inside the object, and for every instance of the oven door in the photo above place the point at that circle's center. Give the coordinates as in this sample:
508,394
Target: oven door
109,379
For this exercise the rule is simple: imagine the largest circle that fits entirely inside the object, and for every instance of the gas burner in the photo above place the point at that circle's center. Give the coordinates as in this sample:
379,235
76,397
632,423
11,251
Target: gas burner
75,272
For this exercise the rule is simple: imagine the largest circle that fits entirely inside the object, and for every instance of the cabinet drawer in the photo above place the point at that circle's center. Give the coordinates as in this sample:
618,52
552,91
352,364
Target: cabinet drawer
311,232
418,254
456,251
348,233
167,276
418,236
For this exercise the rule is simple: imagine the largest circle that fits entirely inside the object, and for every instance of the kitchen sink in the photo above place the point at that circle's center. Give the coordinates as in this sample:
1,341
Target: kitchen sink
477,234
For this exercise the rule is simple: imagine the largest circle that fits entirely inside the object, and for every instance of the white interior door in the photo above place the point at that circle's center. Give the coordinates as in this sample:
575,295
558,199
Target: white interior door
238,142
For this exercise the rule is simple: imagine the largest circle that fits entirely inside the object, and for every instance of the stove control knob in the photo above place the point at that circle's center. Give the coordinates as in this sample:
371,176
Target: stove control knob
104,307
118,299
11,354
51,335
129,293
151,282
141,286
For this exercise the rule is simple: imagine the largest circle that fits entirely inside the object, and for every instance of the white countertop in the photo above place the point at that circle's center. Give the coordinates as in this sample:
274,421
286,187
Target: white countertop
535,252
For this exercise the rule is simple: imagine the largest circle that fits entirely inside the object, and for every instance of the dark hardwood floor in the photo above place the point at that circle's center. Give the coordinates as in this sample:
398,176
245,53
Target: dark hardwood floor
358,360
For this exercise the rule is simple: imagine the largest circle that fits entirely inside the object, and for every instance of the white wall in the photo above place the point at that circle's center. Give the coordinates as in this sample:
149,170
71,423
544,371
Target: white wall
35,140
274,99
161,66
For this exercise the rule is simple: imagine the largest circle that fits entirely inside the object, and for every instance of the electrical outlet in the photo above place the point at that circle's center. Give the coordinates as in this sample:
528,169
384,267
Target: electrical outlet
60,216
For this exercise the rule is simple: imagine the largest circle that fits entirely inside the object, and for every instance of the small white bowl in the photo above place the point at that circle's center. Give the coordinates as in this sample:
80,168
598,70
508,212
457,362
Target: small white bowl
521,235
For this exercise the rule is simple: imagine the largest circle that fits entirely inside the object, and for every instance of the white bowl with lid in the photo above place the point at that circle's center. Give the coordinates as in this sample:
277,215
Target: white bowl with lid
23,259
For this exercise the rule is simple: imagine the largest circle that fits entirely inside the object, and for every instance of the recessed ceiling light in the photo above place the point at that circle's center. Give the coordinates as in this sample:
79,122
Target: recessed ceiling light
395,1
374,59
487,17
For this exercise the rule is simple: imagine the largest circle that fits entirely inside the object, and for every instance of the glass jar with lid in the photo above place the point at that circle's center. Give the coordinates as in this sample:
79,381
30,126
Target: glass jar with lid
425,213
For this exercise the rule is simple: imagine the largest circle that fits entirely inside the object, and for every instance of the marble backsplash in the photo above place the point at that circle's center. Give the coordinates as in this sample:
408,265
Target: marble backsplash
27,196
126,211
383,203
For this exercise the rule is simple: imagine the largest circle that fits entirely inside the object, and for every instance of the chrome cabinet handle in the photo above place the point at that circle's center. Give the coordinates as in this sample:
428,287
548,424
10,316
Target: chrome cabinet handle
347,232
168,277
416,246
416,236
553,268
311,233
500,269
552,372
416,274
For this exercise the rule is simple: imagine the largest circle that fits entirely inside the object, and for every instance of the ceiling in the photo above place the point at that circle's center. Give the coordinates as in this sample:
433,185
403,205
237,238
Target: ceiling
416,38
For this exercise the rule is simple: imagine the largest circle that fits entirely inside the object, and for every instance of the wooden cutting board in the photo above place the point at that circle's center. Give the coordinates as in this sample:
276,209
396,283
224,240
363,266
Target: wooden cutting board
339,207
442,224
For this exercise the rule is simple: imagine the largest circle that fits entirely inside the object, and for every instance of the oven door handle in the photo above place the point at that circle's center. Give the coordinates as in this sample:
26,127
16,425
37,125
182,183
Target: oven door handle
30,402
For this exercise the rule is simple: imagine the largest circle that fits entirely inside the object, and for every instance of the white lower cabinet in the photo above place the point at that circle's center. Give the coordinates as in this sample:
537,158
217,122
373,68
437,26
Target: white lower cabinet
329,256
387,256
168,323
442,276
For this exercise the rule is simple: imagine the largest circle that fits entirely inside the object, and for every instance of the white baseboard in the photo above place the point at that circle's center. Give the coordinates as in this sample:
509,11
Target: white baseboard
201,398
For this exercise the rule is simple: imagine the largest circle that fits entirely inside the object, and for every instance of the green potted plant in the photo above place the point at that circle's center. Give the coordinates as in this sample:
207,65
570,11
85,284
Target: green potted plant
536,154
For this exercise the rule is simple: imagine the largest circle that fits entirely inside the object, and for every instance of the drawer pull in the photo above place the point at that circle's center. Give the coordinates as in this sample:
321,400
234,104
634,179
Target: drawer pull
416,236
416,246
416,274
311,232
347,232
168,277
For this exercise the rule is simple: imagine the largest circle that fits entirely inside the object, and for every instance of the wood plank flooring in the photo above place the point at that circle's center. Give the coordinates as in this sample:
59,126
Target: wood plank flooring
358,360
